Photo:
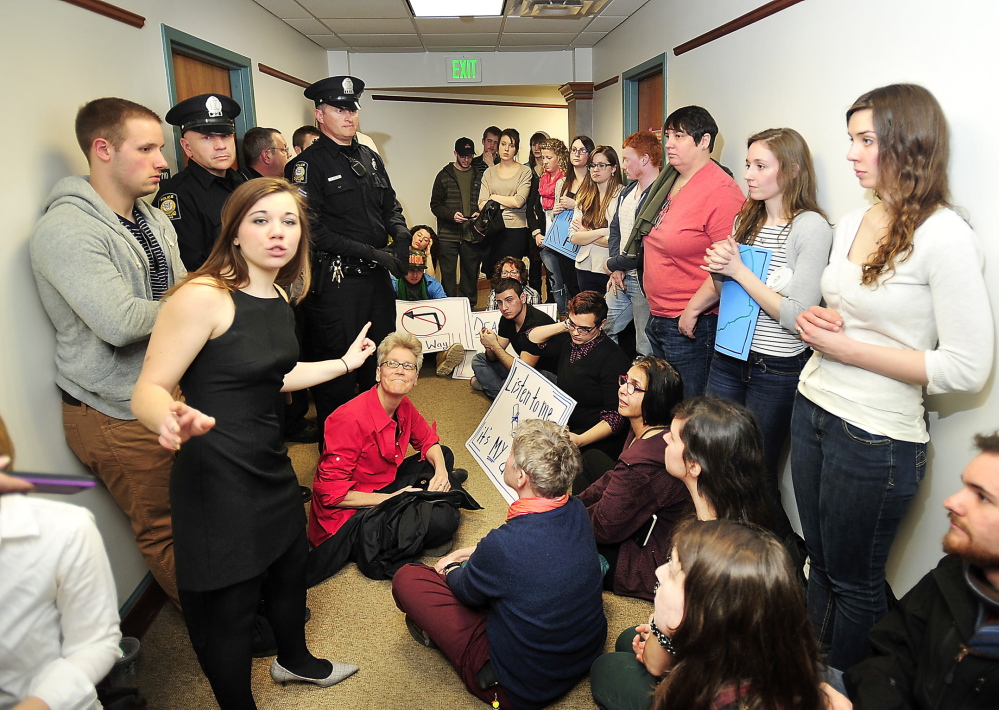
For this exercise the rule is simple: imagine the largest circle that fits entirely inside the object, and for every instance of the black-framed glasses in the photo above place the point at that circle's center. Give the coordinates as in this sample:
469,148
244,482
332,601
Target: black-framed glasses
584,329
629,386
599,166
579,151
357,167
395,365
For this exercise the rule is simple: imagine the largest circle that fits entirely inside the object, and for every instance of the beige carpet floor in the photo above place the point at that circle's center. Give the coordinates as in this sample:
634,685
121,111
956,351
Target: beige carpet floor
354,618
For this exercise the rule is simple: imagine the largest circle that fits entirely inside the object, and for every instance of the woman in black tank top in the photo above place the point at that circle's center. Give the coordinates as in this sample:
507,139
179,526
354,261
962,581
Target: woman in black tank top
226,335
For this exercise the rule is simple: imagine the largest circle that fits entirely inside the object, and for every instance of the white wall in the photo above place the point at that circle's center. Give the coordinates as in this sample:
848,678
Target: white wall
417,139
802,68
56,58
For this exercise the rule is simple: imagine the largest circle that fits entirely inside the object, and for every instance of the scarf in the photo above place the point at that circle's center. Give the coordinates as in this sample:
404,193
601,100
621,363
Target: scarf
523,506
403,293
546,188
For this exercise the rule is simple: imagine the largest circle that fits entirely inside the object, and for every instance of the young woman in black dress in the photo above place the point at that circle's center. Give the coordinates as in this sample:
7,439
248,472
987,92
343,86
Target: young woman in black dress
226,335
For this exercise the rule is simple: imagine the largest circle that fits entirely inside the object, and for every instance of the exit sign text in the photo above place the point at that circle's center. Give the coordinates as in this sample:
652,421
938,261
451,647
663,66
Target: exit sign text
463,70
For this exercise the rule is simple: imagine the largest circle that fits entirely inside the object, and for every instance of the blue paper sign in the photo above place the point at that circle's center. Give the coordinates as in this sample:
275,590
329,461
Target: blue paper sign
738,311
557,238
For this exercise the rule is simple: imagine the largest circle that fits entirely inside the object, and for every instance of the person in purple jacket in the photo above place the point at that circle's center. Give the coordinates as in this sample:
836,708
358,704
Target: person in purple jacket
520,614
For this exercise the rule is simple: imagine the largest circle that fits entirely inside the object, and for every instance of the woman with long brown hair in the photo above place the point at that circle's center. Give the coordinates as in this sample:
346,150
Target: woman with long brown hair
729,630
781,215
906,308
596,204
227,336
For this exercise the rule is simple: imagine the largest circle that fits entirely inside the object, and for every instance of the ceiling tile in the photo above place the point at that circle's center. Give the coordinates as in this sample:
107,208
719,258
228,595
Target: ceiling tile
439,25
539,48
357,8
604,23
285,9
370,26
545,24
622,8
477,40
588,39
327,41
386,50
464,49
309,27
508,39
411,41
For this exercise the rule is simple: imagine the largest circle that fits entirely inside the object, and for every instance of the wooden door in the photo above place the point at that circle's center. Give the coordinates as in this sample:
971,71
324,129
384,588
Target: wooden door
196,76
650,103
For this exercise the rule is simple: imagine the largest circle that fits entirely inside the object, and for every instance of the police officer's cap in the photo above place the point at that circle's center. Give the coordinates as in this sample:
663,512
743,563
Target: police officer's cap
339,91
206,113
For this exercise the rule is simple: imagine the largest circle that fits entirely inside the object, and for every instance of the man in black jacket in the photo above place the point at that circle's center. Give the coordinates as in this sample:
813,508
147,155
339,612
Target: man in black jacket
453,201
939,648
353,212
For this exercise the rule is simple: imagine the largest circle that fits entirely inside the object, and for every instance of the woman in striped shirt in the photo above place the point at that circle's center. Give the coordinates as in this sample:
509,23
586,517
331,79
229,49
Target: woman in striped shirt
781,215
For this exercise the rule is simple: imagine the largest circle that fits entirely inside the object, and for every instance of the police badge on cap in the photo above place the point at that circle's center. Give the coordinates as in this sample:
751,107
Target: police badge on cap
206,113
339,91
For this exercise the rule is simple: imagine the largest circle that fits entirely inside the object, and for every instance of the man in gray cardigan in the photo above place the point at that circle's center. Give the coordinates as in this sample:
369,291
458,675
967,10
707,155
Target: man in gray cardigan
102,258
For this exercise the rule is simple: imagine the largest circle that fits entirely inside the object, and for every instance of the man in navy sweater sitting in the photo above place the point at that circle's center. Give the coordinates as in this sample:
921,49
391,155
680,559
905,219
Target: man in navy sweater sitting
531,585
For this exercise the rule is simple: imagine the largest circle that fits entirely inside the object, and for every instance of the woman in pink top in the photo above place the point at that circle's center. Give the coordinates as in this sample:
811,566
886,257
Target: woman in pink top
699,210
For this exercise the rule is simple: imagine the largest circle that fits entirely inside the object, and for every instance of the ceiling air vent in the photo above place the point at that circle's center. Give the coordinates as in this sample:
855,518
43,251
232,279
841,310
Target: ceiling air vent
561,8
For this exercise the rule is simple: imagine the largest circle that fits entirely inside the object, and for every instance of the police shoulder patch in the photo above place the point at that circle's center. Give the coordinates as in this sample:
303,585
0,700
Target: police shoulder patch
300,173
168,203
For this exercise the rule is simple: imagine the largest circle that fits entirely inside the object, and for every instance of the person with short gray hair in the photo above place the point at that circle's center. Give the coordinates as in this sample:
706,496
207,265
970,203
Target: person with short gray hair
519,615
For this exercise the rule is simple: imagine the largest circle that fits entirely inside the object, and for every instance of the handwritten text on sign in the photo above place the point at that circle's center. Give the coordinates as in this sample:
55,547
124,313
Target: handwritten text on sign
527,394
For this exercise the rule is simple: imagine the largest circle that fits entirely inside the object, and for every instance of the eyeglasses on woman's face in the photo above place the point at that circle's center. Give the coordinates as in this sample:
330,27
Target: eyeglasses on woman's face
630,386
599,166
395,365
579,151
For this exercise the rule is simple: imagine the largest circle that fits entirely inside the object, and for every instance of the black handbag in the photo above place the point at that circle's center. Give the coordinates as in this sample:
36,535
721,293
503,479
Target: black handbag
489,223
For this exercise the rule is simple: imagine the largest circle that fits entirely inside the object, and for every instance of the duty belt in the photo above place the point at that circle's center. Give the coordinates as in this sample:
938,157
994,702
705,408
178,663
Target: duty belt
343,265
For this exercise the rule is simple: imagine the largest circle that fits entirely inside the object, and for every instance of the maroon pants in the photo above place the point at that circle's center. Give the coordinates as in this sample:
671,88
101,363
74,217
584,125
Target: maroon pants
458,631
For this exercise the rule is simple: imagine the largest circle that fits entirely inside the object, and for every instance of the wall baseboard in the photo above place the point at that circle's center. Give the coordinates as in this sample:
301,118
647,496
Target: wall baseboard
141,609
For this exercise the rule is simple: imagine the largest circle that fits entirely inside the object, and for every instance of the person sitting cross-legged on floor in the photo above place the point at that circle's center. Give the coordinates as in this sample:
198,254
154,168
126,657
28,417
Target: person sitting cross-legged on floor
363,466
520,614
519,318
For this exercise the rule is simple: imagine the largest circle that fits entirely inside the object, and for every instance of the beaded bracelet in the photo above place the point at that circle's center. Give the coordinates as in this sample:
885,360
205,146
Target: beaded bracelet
664,640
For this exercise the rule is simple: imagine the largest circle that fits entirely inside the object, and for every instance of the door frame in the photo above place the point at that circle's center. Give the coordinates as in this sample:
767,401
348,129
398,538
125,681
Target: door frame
240,78
629,91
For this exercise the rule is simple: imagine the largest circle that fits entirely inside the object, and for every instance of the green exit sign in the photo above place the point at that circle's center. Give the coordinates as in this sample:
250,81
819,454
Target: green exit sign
463,69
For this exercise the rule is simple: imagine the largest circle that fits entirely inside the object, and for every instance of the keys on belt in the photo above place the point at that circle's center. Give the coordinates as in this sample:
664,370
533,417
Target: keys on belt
343,265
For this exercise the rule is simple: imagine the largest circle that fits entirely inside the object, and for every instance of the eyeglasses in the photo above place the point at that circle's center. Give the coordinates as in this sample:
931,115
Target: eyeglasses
286,150
599,166
395,365
584,329
579,151
629,386
512,274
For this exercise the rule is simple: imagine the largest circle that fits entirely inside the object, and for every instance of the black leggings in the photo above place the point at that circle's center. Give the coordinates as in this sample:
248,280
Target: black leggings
220,625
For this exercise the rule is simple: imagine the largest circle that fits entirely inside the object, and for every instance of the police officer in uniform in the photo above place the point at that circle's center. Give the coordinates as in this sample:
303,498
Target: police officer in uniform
194,197
352,213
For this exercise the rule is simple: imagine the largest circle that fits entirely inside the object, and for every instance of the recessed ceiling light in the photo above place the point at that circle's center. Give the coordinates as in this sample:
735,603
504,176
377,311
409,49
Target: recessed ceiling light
456,8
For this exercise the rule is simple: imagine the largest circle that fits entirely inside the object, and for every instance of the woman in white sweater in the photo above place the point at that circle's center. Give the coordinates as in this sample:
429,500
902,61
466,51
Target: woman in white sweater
906,308
509,184
596,205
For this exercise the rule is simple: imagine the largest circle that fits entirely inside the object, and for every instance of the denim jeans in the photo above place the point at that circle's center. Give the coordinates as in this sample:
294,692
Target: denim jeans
766,385
690,356
490,374
852,489
556,287
626,305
